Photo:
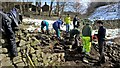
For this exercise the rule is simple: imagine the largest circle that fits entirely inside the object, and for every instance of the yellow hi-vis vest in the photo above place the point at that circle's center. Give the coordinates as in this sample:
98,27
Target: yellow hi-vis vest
67,20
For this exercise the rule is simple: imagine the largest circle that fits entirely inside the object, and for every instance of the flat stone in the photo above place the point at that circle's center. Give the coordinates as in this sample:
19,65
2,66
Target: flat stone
6,62
19,54
1,50
2,56
2,41
23,47
38,53
21,64
4,50
22,43
32,50
17,60
18,49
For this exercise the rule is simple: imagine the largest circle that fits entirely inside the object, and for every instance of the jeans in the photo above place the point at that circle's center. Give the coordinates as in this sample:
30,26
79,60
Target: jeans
101,50
67,28
57,31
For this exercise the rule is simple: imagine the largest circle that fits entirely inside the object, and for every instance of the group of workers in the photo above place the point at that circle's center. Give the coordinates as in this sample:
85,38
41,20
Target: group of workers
10,20
86,34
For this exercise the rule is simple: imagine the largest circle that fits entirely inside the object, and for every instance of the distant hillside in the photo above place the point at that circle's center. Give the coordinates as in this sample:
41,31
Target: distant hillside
94,5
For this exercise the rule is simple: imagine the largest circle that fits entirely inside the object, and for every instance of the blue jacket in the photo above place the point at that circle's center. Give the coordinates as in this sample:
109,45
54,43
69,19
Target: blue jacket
58,23
44,23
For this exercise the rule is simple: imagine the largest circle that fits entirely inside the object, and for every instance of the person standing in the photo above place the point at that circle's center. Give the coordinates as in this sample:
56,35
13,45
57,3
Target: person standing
7,31
43,24
67,22
87,38
14,16
101,41
75,20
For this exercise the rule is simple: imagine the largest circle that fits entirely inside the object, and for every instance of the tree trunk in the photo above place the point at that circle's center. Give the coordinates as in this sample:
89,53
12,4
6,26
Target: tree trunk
39,8
36,8
21,11
50,11
63,6
58,9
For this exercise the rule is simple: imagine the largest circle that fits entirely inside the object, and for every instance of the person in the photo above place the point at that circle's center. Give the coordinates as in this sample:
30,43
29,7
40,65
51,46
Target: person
101,41
20,17
74,32
86,38
74,21
67,22
14,16
8,33
56,27
43,24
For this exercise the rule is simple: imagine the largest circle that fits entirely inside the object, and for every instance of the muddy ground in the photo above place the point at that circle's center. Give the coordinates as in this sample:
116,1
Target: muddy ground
37,49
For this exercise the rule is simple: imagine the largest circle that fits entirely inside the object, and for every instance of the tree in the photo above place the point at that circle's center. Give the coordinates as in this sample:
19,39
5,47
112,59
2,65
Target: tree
50,11
74,7
57,7
62,5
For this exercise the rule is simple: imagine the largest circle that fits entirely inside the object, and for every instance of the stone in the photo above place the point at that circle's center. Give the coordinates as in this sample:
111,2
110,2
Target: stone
106,58
40,59
20,64
17,60
4,50
32,50
6,62
0,46
18,49
2,56
25,61
17,40
19,54
35,43
38,53
1,50
35,60
2,41
23,47
22,43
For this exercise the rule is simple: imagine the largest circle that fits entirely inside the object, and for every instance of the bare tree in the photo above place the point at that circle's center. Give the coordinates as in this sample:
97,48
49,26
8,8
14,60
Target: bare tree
62,5
74,7
51,5
39,7
58,10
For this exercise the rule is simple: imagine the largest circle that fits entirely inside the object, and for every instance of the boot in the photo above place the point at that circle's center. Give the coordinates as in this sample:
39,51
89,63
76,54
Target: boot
42,31
48,32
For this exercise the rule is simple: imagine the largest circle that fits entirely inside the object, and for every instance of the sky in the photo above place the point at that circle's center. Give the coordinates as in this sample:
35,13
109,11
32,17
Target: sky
83,2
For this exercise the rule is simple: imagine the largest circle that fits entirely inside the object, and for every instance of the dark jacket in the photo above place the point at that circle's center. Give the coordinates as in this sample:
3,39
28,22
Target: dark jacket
87,30
14,20
7,29
74,20
101,33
